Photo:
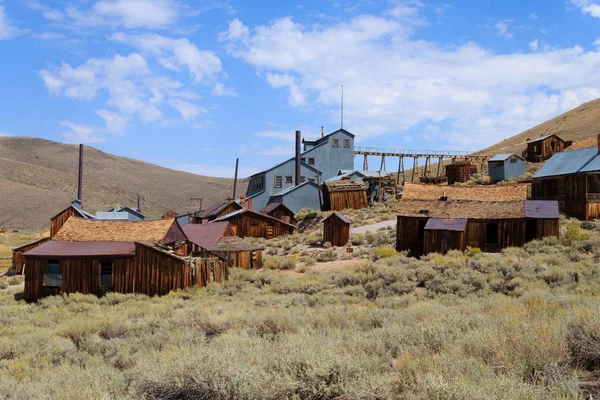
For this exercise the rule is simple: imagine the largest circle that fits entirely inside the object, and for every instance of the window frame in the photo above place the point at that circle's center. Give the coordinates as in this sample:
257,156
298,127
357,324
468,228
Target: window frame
280,181
346,143
302,179
53,262
311,159
289,179
103,264
335,143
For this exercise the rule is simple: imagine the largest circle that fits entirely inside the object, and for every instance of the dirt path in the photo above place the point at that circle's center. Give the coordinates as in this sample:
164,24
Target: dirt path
374,227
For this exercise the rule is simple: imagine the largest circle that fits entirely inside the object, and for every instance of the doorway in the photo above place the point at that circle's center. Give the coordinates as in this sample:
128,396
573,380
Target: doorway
530,230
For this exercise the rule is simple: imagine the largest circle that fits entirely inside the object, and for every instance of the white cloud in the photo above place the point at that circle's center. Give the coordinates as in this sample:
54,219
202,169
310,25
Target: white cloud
187,110
150,14
597,42
236,31
49,36
534,45
502,28
296,97
589,7
174,54
221,90
534,16
394,83
7,29
115,123
77,133
49,13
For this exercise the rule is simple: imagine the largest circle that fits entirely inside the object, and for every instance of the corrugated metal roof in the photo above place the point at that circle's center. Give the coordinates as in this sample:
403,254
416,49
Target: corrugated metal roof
226,217
570,162
541,209
60,249
205,235
293,188
340,216
446,224
213,208
503,157
543,138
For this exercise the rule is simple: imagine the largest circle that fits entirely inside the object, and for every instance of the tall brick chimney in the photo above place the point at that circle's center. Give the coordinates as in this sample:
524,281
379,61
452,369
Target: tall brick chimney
243,201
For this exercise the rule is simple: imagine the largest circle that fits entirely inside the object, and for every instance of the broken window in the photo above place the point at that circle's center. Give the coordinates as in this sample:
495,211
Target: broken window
311,161
53,275
106,274
335,143
492,234
289,179
346,143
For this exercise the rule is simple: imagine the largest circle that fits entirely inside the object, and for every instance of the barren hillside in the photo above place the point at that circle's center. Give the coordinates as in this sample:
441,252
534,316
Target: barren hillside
38,178
581,125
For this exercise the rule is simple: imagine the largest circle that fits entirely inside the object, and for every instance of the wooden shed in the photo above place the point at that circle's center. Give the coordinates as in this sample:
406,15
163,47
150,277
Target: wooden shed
460,172
18,261
215,211
344,194
491,225
218,238
281,212
74,210
248,223
543,148
94,257
336,229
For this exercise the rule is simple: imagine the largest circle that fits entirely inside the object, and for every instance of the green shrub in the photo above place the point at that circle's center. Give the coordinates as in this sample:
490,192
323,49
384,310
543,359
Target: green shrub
15,280
327,255
280,263
327,245
357,239
383,252
3,283
574,233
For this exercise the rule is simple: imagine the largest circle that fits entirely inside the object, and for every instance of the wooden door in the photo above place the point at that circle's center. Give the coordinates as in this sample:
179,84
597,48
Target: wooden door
269,231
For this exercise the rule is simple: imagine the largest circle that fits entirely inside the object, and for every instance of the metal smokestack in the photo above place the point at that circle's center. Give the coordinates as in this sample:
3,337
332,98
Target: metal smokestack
237,163
298,141
80,178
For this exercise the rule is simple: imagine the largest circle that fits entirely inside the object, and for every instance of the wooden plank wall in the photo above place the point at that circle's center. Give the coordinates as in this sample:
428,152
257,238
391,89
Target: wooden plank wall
337,201
546,228
443,241
18,260
34,277
511,233
58,221
252,225
544,149
156,273
407,235
336,231
460,172
211,270
284,216
80,276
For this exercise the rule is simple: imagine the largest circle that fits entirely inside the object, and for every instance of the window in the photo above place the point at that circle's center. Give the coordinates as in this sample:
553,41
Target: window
258,183
302,159
53,275
278,181
106,273
346,143
335,143
302,179
492,234
311,179
311,161
421,229
289,179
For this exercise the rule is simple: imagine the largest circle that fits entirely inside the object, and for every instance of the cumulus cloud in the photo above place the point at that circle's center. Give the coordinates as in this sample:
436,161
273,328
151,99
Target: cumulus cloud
188,110
589,7
237,30
534,45
394,83
174,54
221,90
7,29
503,28
115,123
77,133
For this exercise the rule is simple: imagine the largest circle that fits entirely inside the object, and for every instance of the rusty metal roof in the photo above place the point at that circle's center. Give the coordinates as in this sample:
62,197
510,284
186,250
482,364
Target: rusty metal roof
273,206
541,209
447,224
213,209
544,138
60,249
206,236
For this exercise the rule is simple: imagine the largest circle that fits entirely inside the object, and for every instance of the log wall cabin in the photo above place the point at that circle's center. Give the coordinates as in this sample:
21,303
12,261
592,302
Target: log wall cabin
573,179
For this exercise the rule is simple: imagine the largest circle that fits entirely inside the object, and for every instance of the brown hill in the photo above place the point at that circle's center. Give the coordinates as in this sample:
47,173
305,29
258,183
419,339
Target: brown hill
581,125
38,178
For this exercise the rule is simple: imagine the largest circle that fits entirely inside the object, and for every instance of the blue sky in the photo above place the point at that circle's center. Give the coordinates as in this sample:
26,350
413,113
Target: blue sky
193,85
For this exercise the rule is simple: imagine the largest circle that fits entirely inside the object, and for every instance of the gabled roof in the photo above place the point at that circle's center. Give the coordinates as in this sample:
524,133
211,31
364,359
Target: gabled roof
245,210
287,161
345,185
206,236
446,224
475,209
340,216
130,210
41,240
420,191
215,208
59,249
291,189
81,213
82,230
571,162
544,138
504,157
273,206
541,209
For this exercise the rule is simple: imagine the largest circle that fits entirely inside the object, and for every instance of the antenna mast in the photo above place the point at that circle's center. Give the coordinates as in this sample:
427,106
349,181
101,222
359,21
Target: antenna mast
342,119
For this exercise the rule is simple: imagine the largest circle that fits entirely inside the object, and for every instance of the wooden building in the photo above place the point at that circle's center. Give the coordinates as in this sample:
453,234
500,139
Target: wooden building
573,179
543,148
215,211
281,212
217,238
170,214
441,225
460,171
90,256
18,261
344,194
248,223
336,229
74,210
419,191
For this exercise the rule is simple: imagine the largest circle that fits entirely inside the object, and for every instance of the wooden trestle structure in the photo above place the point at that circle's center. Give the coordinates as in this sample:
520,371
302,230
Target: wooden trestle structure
423,173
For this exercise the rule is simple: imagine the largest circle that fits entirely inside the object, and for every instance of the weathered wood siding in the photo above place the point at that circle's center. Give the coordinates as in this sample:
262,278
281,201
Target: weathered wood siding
284,216
459,172
572,194
343,200
253,225
211,270
336,231
544,149
156,273
18,260
437,241
59,220
407,235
